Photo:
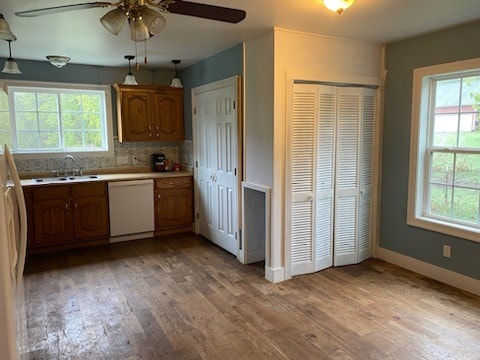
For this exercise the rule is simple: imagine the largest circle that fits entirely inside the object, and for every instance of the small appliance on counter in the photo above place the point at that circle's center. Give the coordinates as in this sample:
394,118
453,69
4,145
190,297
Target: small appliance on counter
158,162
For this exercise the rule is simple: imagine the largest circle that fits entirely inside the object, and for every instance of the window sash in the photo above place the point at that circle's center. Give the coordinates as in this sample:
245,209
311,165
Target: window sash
100,134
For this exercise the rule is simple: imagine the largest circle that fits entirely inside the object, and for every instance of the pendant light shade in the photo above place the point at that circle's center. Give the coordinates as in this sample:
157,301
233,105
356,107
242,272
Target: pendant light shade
11,67
130,79
5,32
338,6
114,21
58,61
176,82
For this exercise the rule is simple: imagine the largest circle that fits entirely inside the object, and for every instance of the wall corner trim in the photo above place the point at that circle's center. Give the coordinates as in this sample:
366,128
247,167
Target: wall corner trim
274,275
445,276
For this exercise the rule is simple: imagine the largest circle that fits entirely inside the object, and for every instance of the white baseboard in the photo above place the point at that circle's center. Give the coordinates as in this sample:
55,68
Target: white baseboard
431,271
274,275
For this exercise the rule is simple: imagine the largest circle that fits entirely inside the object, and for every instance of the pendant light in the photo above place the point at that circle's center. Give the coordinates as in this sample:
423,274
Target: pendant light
130,79
58,61
338,6
176,82
11,67
5,32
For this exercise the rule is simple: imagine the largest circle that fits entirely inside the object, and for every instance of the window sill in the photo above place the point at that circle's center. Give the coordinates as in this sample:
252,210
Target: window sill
457,230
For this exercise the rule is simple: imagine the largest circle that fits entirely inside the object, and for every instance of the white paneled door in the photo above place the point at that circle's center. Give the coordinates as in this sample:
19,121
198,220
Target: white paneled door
330,176
215,118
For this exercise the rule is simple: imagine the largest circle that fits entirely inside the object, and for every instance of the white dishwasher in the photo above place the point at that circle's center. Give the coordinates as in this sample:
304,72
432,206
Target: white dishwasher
131,210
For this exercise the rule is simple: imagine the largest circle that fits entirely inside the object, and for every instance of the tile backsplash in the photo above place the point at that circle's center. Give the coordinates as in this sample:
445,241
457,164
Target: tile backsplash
126,155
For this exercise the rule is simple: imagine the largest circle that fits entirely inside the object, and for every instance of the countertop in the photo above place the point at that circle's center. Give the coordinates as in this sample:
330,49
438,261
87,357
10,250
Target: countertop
107,178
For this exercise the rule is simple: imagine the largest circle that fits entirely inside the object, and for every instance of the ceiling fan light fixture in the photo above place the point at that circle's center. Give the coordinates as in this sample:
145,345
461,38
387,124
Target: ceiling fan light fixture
11,67
5,32
58,61
113,21
338,6
130,78
153,20
138,30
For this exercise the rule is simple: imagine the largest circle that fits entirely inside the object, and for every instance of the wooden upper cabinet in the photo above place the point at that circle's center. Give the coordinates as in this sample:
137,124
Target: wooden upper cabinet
149,113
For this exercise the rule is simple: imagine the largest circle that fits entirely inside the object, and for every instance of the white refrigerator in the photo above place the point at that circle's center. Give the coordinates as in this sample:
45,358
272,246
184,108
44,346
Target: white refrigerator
13,243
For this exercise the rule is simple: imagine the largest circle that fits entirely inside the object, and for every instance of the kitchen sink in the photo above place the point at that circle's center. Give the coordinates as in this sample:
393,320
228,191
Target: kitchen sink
60,179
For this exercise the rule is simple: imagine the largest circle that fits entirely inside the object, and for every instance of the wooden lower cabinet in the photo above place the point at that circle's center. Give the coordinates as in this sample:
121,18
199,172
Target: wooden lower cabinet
173,205
64,216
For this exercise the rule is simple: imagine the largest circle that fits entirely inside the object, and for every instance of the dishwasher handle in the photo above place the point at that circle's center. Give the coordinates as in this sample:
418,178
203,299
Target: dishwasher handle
130,183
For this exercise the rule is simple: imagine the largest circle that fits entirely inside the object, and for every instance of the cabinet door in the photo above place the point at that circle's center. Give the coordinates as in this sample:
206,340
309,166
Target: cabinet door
90,217
168,112
173,208
137,124
52,222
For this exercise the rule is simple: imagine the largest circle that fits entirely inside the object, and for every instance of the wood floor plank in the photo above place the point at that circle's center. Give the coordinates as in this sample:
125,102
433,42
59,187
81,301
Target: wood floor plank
181,297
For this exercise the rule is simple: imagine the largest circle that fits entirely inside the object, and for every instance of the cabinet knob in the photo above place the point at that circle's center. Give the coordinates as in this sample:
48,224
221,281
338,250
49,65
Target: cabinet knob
67,207
159,197
75,206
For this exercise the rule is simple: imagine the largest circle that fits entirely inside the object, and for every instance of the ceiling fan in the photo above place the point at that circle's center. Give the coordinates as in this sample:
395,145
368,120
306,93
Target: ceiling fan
143,20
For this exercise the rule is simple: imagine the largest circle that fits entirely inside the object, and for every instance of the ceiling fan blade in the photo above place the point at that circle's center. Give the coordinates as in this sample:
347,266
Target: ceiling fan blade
207,11
58,9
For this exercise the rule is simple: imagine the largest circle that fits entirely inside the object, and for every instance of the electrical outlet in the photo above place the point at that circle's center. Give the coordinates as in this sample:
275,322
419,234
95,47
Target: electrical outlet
447,251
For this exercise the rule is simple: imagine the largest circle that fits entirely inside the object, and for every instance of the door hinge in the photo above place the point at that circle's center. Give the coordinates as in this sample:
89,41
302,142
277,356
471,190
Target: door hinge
234,104
194,110
235,172
198,215
196,163
240,242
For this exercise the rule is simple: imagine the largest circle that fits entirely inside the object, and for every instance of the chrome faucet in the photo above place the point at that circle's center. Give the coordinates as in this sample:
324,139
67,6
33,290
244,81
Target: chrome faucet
67,157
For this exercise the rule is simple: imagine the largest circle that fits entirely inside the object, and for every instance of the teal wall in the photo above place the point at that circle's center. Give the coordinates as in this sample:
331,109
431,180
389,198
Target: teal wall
223,65
459,43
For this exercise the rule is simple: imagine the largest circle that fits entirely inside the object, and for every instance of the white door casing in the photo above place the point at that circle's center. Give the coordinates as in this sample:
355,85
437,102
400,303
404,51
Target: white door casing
215,119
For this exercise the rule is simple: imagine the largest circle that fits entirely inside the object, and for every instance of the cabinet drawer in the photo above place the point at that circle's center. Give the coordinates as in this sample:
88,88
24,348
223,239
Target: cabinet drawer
51,192
173,182
88,189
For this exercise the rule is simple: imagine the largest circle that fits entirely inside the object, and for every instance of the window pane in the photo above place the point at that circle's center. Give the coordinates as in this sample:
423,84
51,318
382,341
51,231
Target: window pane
470,94
28,140
71,102
6,138
73,140
24,101
445,130
465,205
440,200
48,121
442,168
26,121
467,170
50,140
91,103
72,121
47,102
5,124
92,121
93,139
446,111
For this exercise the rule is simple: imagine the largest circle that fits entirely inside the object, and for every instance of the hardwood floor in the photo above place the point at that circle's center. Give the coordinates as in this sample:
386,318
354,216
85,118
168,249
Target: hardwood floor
180,297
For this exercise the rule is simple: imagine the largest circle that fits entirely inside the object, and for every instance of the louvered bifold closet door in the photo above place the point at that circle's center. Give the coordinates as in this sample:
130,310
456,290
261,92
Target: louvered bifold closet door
302,166
366,176
325,166
346,175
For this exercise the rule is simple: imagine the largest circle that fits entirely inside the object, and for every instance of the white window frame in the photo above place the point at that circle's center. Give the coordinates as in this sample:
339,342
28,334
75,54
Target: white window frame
417,186
106,89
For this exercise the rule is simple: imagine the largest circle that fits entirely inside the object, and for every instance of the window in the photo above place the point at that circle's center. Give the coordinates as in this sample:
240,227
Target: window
444,187
55,118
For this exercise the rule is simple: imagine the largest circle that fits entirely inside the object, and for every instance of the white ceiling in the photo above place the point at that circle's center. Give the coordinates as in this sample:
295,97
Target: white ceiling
80,35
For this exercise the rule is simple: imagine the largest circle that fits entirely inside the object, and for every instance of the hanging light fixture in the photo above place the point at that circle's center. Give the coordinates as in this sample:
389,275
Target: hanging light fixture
143,21
58,60
11,67
338,6
130,79
176,82
5,32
